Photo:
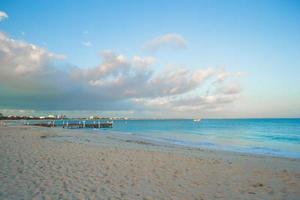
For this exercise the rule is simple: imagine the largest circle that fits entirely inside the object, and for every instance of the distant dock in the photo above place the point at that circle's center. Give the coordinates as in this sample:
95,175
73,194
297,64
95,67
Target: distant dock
73,125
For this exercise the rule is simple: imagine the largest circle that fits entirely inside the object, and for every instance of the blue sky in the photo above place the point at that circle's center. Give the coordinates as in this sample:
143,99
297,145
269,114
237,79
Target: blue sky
258,39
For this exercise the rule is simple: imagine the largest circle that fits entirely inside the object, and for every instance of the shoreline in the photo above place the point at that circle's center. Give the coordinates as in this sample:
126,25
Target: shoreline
167,143
145,140
255,141
259,144
54,163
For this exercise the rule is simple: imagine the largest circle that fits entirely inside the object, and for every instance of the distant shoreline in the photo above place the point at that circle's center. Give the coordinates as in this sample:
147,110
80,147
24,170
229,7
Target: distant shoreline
110,118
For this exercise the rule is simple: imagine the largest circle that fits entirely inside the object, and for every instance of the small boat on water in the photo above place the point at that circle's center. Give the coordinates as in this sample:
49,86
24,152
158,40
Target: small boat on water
197,120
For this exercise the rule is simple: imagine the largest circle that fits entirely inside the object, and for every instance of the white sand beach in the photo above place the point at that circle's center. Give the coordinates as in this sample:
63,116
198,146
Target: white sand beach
53,163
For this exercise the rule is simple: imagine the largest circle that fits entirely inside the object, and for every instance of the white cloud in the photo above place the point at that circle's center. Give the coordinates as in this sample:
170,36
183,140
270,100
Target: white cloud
19,58
134,77
232,88
169,40
224,75
192,104
179,80
32,78
3,16
87,44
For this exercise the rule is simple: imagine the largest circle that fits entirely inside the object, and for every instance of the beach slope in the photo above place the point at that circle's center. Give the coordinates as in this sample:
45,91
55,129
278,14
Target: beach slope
50,163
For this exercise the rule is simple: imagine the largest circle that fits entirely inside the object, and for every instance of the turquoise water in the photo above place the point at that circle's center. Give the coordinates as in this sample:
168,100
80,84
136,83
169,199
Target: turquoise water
277,137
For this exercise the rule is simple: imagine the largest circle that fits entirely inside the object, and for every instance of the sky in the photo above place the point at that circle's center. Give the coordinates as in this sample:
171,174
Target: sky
150,59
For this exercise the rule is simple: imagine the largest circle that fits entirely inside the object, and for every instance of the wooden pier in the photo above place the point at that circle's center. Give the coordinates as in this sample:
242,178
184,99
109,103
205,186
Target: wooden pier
82,124
96,125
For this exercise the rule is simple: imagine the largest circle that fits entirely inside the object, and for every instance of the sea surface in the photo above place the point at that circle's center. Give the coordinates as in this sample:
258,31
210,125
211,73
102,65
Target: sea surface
276,137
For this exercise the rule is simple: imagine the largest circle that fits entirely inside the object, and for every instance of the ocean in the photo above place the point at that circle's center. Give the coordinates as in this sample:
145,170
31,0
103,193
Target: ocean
276,137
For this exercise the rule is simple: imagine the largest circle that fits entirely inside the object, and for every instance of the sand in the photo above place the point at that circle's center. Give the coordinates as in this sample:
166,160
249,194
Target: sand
54,163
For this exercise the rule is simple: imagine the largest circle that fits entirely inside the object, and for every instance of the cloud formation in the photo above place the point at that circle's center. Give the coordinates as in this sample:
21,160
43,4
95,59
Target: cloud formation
87,44
20,58
169,40
192,104
3,16
34,78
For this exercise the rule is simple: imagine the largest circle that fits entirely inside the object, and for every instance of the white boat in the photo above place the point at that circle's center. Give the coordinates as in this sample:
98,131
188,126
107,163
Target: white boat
197,120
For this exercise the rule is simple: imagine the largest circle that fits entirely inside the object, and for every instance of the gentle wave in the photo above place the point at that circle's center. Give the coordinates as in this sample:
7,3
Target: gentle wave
276,137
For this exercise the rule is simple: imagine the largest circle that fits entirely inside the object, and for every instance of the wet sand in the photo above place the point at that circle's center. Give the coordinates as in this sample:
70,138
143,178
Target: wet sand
53,163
